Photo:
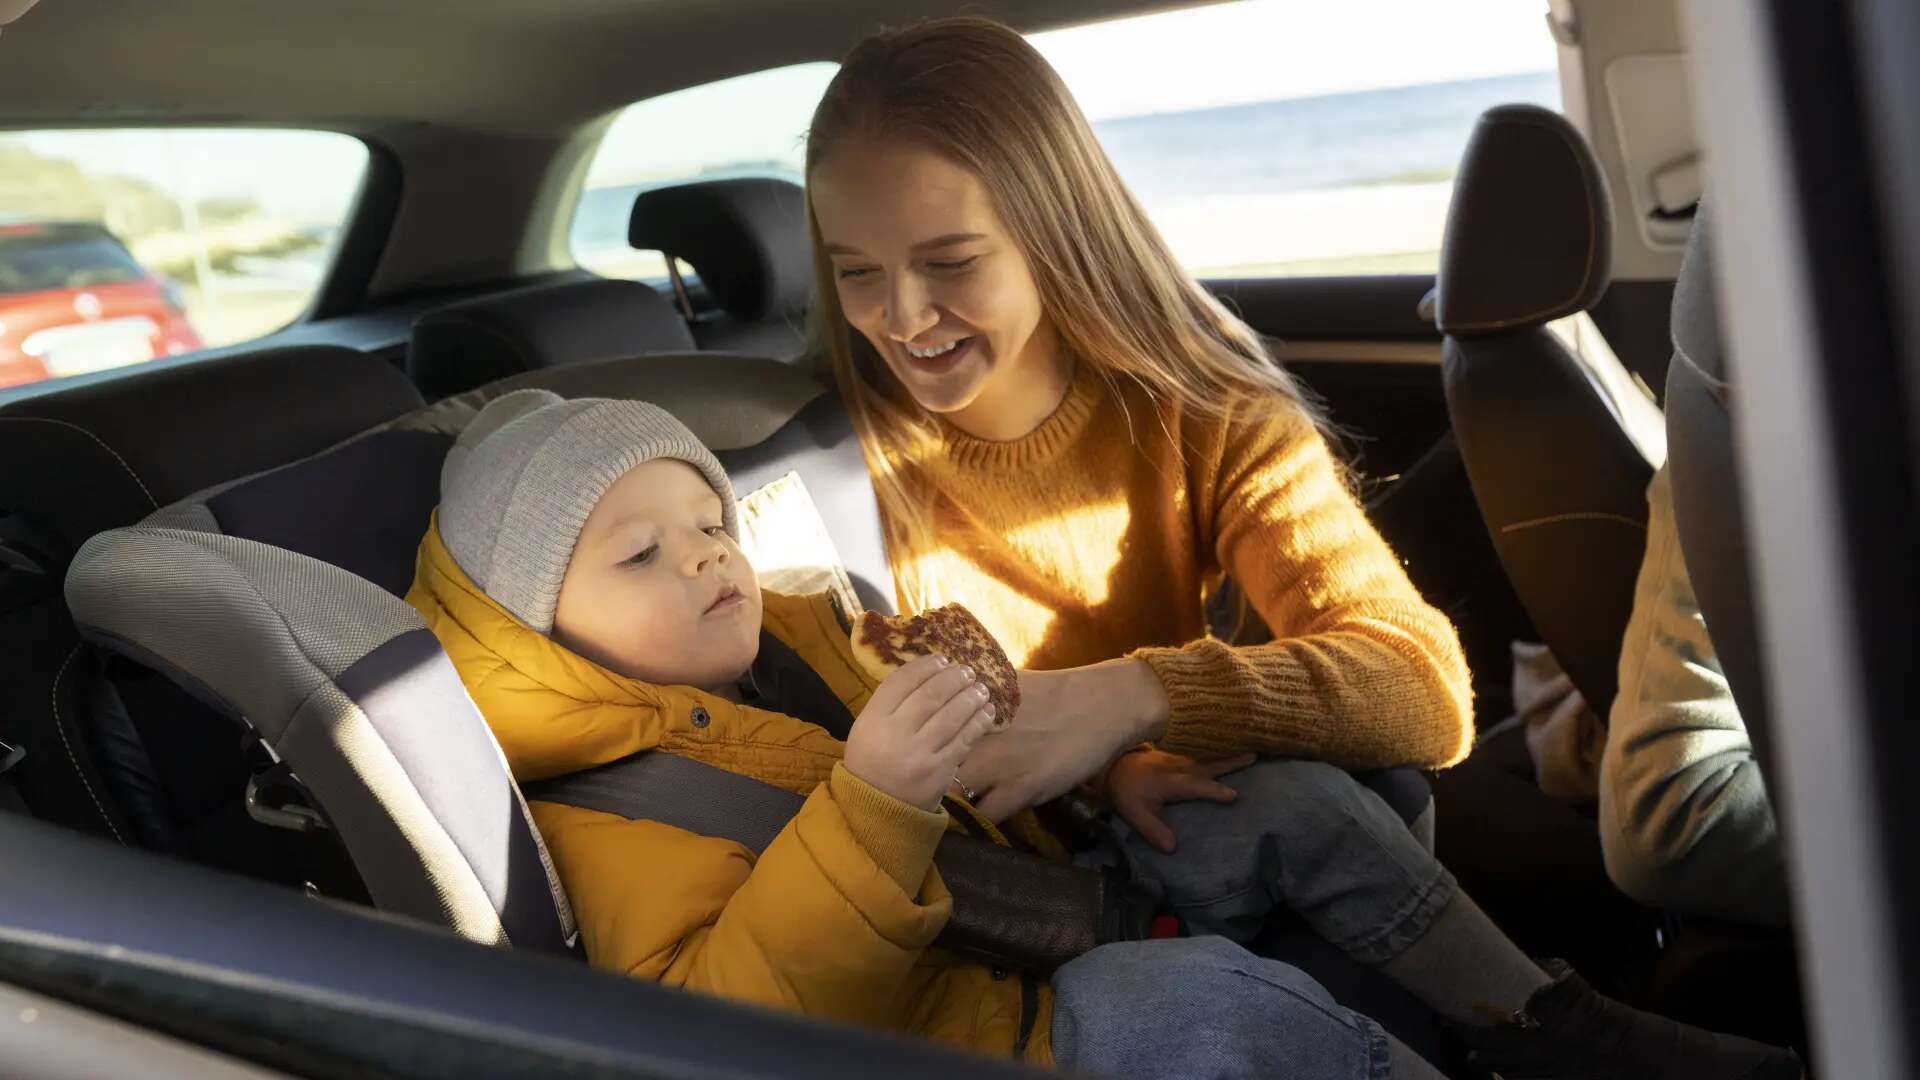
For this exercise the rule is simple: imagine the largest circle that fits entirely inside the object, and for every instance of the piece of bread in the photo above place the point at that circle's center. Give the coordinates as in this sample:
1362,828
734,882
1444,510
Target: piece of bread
884,645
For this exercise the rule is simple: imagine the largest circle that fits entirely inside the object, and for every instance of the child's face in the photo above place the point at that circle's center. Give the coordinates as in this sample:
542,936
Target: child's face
656,590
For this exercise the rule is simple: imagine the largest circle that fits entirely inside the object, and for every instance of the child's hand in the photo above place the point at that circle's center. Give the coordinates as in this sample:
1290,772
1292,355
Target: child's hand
917,729
1143,781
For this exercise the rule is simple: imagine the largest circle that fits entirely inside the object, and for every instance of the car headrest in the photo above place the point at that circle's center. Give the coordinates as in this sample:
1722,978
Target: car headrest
345,683
474,342
747,238
1530,230
1696,324
99,455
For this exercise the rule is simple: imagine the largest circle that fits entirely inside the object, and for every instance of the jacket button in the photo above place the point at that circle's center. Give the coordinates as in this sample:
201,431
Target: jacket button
700,717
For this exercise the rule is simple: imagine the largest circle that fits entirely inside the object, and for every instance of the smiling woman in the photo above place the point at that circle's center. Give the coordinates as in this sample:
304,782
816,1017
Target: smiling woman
1015,341
961,203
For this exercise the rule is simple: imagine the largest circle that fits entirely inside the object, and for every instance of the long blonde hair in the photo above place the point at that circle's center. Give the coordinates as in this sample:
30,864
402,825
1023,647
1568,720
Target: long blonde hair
976,92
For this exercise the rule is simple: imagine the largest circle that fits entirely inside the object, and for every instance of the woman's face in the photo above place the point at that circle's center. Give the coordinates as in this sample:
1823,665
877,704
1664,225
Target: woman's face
928,274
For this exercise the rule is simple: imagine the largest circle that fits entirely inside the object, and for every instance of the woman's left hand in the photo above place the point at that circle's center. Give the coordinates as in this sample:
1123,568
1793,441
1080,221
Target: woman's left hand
1144,781
1071,725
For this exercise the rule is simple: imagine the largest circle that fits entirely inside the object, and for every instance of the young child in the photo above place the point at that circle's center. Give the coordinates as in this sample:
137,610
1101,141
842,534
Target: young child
582,573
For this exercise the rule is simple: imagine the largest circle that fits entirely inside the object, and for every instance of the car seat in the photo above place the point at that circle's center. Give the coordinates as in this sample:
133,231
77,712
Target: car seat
1559,444
274,599
107,749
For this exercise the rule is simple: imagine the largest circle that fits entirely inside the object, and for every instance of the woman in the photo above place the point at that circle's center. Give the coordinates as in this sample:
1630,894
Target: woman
1068,434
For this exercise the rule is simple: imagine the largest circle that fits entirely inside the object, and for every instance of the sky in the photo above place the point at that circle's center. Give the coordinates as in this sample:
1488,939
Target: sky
1233,53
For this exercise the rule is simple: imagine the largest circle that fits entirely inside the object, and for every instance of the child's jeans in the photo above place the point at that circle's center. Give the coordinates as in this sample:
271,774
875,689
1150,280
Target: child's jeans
1198,1008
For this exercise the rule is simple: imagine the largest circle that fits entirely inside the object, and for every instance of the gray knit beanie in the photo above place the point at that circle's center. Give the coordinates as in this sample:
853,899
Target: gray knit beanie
520,481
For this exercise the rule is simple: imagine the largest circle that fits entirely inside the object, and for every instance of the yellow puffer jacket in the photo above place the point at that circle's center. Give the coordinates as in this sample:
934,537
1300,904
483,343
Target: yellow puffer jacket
835,919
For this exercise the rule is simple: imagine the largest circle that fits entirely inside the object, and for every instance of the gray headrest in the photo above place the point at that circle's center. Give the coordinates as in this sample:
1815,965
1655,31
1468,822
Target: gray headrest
469,344
1530,230
747,238
1696,324
345,684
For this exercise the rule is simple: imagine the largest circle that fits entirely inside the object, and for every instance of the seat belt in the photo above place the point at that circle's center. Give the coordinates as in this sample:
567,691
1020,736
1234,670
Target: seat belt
692,795
1010,908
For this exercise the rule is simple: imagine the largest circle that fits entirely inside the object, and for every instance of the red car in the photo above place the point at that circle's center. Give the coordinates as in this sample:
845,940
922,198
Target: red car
73,300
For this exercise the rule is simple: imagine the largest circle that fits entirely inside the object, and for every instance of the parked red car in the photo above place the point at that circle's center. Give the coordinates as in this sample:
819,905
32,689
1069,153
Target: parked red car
74,300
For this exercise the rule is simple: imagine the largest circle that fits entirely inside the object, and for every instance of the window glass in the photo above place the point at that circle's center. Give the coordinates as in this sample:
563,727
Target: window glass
1264,137
1271,137
753,125
120,246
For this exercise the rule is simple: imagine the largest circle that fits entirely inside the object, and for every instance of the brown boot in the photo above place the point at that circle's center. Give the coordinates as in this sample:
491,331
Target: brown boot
1570,1032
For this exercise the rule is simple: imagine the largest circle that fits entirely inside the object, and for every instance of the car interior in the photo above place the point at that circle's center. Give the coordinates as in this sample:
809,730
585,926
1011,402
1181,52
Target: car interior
254,826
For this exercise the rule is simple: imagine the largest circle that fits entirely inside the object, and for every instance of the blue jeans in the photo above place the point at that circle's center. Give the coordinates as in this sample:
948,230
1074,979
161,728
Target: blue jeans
1196,1008
1303,835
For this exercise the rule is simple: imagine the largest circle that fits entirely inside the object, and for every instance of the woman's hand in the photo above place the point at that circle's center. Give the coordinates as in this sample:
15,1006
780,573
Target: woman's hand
917,729
1143,781
1070,727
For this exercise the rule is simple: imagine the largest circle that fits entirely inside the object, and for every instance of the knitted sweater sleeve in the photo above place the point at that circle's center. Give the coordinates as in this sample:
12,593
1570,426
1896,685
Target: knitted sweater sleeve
1361,672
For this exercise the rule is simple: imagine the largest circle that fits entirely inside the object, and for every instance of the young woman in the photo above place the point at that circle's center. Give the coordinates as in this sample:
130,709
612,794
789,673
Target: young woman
1069,435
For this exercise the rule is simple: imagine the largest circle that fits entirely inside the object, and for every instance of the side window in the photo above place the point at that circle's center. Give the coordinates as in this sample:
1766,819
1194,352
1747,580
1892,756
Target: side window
1272,137
120,246
752,125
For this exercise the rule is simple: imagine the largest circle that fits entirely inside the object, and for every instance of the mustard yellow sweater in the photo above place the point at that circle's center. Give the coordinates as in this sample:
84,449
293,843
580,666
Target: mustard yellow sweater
1091,538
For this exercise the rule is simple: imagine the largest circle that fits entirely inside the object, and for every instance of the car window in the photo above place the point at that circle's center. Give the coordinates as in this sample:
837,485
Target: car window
1264,137
752,125
1272,137
121,246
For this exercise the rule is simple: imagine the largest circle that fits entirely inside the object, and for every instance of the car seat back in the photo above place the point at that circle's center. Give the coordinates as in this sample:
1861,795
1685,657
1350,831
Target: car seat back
1559,444
95,455
474,342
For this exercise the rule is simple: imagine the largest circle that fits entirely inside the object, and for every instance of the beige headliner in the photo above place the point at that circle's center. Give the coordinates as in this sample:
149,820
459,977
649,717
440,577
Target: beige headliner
531,67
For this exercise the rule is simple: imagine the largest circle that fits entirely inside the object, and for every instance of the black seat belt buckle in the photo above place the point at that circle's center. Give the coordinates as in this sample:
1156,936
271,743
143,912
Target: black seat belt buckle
10,756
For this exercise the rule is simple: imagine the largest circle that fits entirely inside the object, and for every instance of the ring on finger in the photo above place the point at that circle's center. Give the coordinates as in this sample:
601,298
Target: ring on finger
965,791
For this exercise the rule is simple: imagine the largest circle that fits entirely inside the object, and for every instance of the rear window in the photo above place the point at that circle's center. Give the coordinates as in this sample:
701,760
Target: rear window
1264,137
121,246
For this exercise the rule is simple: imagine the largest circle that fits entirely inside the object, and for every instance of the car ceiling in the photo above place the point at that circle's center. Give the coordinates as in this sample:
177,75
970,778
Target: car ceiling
527,67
